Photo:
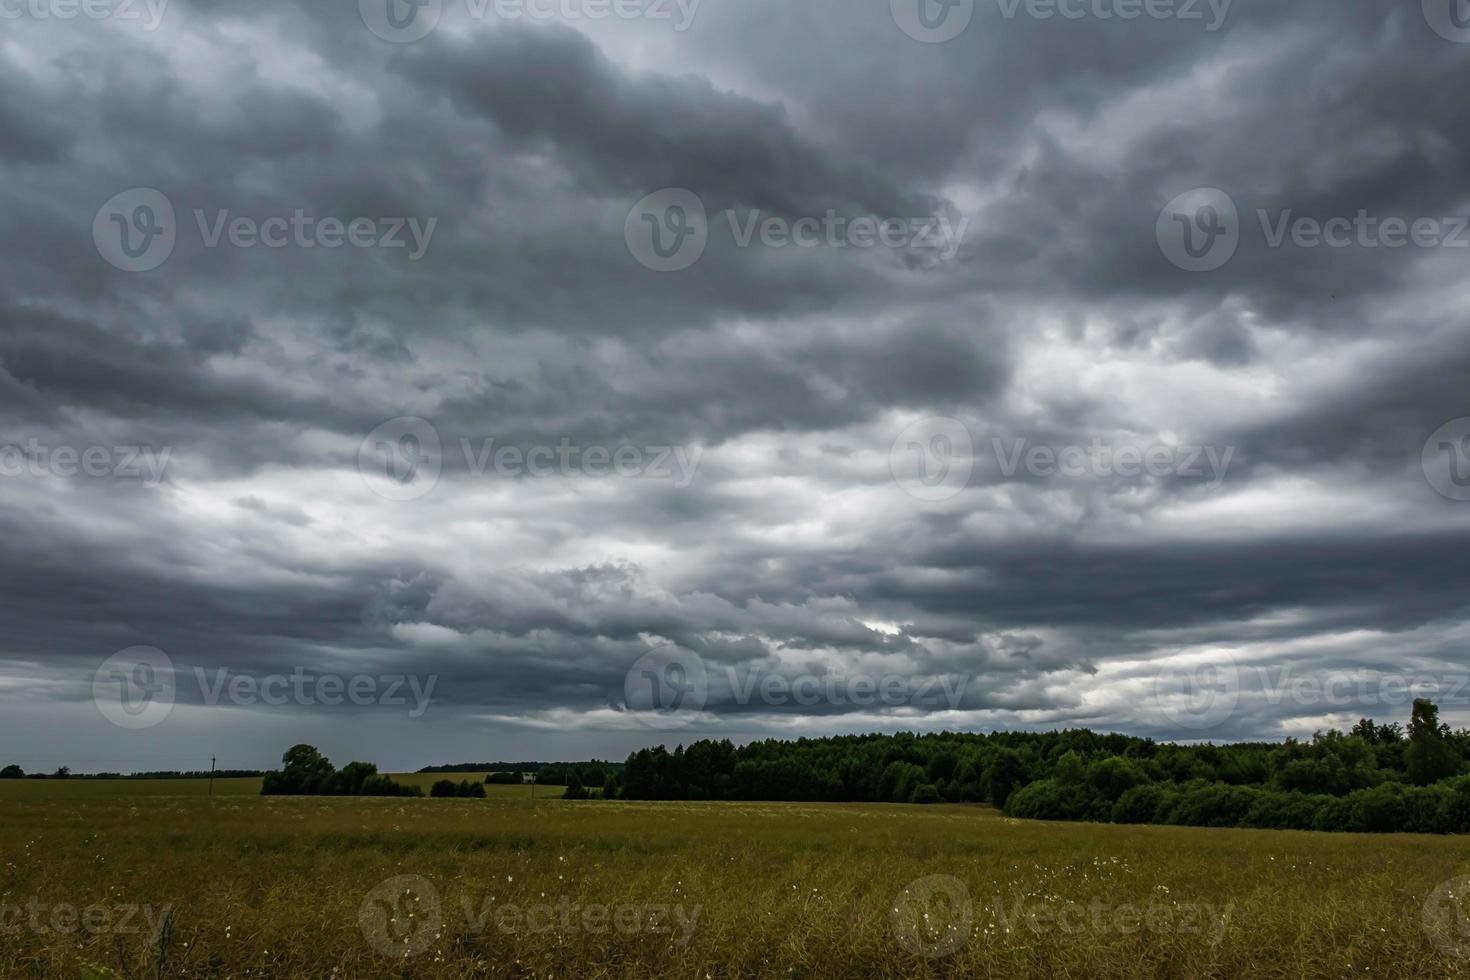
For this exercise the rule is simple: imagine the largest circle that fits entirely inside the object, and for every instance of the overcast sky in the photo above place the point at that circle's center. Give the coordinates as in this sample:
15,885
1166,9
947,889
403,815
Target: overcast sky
1101,364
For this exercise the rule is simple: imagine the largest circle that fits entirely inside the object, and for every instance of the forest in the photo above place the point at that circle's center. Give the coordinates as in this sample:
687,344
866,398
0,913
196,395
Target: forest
1373,778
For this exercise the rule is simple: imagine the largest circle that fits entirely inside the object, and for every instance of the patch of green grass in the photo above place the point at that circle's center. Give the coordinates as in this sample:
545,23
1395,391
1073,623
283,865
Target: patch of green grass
294,887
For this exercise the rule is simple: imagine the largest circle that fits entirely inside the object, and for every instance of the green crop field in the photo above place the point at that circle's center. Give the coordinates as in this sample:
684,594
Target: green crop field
151,879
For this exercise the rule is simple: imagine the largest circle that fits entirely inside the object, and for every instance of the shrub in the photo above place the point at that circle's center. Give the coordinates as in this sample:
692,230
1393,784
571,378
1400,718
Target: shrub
1112,777
1203,804
1047,799
1142,804
383,786
1284,811
925,793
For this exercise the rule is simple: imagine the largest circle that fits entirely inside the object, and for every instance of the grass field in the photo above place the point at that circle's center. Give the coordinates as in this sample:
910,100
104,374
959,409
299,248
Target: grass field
23,789
161,882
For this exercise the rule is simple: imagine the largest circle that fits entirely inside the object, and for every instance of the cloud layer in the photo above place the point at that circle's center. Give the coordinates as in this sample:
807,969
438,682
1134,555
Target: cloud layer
1050,463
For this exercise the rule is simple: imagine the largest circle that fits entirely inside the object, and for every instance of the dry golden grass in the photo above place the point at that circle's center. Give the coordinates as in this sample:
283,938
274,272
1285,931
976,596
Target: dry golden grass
275,887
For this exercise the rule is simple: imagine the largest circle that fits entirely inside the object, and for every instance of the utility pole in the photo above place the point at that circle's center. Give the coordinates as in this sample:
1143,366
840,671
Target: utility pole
211,777
533,785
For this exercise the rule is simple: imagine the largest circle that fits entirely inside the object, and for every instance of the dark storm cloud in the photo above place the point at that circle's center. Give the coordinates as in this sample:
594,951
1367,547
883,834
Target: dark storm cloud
249,378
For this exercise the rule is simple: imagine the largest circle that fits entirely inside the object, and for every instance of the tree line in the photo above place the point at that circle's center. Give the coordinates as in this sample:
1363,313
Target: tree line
1373,778
306,772
64,772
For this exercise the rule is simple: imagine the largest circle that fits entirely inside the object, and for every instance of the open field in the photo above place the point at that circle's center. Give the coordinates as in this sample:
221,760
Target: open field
68,789
175,885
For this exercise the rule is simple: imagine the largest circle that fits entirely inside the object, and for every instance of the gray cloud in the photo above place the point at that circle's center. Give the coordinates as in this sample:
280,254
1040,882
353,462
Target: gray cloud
226,394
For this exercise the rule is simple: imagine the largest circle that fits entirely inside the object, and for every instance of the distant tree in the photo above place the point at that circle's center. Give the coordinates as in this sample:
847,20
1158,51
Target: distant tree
304,772
443,788
575,790
350,779
1378,734
62,772
383,786
1430,755
12,772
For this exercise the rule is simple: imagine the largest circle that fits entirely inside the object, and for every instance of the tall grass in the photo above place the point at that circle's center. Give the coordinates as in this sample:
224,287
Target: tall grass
293,887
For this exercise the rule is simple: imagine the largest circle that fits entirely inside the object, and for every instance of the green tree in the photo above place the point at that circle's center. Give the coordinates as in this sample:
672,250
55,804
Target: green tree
12,772
304,772
1005,773
1430,755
